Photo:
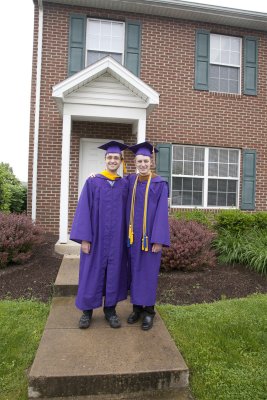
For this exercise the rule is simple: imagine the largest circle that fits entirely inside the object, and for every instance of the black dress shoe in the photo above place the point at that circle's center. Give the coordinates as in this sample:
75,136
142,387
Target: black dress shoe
133,317
113,320
147,322
85,321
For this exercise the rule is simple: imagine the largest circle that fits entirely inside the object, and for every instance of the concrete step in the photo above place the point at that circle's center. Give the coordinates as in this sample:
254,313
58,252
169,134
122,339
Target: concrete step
105,363
69,248
66,283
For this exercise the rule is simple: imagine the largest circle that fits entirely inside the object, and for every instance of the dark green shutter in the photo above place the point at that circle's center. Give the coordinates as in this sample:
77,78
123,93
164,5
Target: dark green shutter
250,65
133,46
249,180
202,56
77,35
163,164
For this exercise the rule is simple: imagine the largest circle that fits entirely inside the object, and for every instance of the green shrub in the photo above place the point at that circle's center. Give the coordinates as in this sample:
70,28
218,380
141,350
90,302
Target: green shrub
190,247
236,221
13,194
17,236
200,216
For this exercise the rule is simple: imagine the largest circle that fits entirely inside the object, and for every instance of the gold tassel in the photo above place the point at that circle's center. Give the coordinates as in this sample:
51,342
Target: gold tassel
124,167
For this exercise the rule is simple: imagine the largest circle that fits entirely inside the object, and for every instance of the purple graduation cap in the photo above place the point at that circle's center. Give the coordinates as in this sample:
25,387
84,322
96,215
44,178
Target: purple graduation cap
143,149
113,147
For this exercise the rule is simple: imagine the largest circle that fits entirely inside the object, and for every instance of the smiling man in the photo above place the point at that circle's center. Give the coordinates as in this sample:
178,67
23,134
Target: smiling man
99,226
148,227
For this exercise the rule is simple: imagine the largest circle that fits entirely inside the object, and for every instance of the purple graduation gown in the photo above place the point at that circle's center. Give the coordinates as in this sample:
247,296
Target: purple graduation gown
144,266
100,219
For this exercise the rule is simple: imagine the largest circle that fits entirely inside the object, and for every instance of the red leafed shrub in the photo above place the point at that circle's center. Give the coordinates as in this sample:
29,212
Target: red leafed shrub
17,236
190,248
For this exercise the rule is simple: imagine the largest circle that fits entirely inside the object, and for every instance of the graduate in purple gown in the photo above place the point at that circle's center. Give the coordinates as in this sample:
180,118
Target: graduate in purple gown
100,226
148,227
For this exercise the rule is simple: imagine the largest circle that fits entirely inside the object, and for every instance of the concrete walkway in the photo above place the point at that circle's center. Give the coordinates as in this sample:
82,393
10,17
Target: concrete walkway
100,362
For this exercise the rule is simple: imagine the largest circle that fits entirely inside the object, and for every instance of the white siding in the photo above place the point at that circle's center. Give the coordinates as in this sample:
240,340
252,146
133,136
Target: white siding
106,90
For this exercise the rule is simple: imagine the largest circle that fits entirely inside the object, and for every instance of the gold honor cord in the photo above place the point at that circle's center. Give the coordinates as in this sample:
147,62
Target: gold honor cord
131,225
131,233
145,237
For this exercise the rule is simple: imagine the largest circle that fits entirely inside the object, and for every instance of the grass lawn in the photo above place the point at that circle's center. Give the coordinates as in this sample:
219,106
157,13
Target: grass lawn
224,345
21,327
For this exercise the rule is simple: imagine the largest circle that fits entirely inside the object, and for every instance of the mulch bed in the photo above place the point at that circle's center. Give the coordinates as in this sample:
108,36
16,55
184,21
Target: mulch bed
35,279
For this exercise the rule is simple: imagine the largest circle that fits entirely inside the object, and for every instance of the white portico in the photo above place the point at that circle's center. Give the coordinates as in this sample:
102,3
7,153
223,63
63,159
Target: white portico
104,92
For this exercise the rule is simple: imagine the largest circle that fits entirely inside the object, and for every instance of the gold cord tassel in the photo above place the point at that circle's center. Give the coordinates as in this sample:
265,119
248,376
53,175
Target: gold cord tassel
131,224
145,237
124,167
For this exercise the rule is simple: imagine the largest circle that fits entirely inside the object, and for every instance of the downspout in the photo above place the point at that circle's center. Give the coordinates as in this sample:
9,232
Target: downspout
37,109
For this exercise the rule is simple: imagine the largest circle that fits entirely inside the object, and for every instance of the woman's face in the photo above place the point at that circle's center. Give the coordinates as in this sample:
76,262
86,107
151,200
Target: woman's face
143,164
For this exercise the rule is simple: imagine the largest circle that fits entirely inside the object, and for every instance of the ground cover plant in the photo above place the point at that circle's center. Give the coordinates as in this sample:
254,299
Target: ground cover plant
21,326
224,345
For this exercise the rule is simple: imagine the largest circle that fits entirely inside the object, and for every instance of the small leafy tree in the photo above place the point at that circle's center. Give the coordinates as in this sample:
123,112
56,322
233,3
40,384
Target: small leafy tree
12,193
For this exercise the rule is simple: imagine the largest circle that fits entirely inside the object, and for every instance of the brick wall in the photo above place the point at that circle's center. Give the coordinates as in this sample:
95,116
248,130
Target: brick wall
184,116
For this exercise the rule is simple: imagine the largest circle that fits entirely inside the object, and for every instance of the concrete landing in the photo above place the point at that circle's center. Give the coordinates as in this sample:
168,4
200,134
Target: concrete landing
105,363
69,248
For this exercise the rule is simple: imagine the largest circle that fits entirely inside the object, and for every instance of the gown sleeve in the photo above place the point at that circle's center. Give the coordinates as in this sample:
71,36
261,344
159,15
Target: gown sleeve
82,224
160,230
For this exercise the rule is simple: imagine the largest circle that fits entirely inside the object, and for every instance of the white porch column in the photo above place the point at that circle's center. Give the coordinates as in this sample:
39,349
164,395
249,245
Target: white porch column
141,130
65,169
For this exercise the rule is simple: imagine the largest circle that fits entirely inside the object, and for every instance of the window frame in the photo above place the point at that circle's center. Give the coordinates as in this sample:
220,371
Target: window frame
104,20
206,178
228,65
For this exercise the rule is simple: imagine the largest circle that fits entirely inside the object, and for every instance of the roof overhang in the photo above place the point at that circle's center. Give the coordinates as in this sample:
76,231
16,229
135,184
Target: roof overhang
139,88
182,10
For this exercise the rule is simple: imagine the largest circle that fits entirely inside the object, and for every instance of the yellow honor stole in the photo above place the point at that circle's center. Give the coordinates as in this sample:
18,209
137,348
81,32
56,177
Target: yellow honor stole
131,224
109,176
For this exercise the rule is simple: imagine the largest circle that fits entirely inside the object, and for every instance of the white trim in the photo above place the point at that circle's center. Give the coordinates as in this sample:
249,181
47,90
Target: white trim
37,109
107,64
64,189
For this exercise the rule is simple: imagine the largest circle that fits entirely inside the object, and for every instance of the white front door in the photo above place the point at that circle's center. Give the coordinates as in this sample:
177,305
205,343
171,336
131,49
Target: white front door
92,159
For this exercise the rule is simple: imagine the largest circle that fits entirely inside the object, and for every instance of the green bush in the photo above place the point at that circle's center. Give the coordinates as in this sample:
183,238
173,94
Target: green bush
13,194
236,221
200,216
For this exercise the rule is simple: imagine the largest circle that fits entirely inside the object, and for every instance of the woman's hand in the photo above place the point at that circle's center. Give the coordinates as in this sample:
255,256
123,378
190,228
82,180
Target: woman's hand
86,247
156,247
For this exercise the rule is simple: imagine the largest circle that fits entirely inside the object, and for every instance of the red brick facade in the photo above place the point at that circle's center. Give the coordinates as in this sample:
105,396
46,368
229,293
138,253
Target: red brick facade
184,115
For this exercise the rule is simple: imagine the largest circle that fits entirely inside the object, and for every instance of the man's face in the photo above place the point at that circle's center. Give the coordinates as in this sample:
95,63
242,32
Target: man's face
113,162
143,164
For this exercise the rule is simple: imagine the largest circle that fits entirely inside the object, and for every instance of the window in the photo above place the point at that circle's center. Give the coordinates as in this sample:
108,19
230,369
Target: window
104,38
225,64
204,177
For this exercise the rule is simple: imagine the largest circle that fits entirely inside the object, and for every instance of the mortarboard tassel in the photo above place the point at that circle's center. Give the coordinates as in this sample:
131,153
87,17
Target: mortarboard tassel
124,167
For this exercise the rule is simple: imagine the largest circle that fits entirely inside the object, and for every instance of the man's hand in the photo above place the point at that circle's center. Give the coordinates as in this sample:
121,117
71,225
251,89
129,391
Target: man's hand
92,175
156,247
86,247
